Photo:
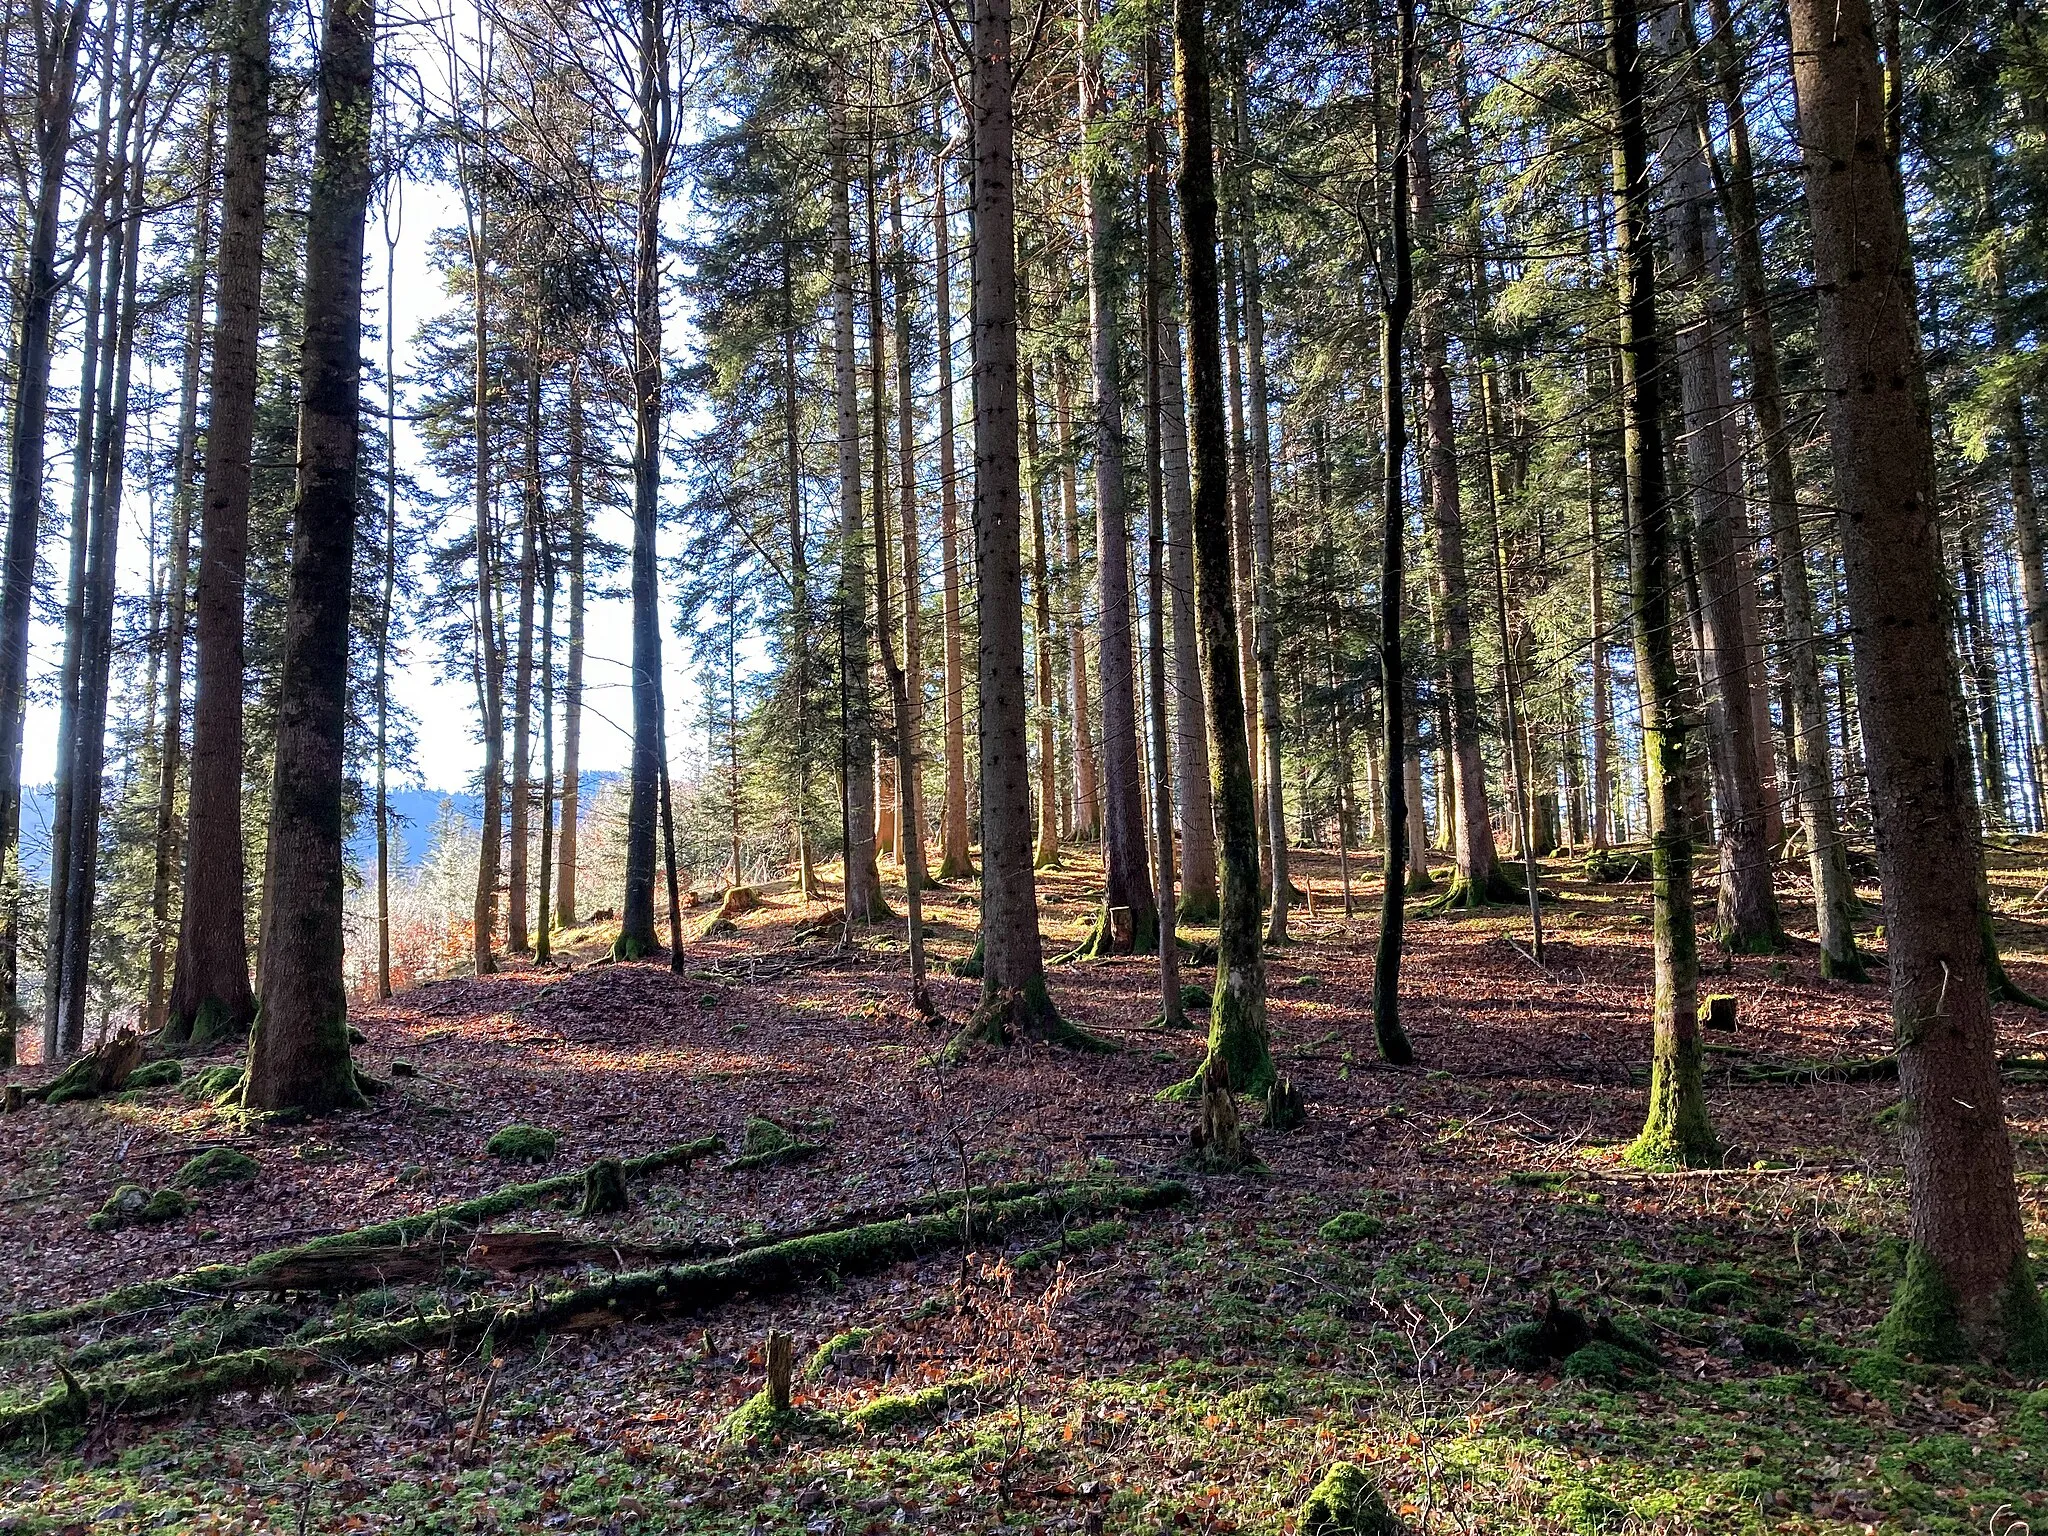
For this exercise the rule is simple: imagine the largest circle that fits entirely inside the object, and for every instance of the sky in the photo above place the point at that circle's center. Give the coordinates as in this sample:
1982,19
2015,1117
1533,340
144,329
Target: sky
443,711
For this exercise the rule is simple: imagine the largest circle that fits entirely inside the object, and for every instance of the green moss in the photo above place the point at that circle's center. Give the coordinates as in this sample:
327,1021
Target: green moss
214,1023
1587,1511
1194,995
156,1074
1719,1293
899,1409
211,1084
1098,1234
757,1421
522,1144
762,1135
839,1344
1345,1503
214,1166
1923,1320
403,1068
1760,1341
133,1206
1351,1227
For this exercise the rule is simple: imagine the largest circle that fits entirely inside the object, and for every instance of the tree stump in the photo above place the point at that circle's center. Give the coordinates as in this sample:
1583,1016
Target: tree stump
781,1360
1218,1137
604,1188
1718,1014
1285,1108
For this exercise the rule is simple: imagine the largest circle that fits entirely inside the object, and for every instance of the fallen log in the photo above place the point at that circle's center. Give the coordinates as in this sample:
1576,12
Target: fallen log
773,1268
222,1278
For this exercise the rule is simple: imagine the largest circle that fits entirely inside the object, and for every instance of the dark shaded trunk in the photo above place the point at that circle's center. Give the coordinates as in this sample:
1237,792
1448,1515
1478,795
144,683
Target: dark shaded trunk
1128,881
572,675
518,939
1968,1285
489,659
863,881
543,937
1013,964
956,857
177,587
1478,880
1087,821
1158,282
1397,299
1045,852
1239,1042
636,912
381,807
1676,1129
1731,653
210,993
299,1058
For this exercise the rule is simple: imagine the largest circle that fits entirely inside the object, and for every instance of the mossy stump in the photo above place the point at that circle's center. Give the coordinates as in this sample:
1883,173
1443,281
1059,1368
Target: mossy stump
604,1188
522,1144
214,1166
1345,1503
99,1072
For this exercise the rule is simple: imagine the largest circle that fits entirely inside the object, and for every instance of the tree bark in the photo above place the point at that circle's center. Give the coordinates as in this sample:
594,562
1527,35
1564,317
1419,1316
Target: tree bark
1239,1043
1968,1284
636,926
517,936
1045,853
1087,786
910,752
1479,879
381,807
210,993
1747,920
490,662
1158,283
178,582
1397,299
863,881
1013,995
300,1056
1676,1129
572,677
956,855
1128,881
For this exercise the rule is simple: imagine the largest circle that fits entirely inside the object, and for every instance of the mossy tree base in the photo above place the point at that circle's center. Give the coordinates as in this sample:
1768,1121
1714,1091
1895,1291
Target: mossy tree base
1102,940
1772,942
1024,1013
1849,968
1926,1319
1199,907
628,947
604,1188
969,965
1419,882
1463,895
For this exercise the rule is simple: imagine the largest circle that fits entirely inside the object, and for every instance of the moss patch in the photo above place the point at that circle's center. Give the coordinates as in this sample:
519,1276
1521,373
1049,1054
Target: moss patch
522,1144
1345,1503
133,1206
215,1166
1351,1227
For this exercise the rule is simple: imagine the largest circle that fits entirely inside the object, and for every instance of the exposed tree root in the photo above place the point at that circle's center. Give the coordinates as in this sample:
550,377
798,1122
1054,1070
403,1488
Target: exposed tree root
774,1267
1463,895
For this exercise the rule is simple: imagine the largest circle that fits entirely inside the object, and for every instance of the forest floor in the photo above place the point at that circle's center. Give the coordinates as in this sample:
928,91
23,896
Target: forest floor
1196,1366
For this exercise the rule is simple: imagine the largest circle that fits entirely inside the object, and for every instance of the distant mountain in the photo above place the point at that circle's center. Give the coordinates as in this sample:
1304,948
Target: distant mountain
413,814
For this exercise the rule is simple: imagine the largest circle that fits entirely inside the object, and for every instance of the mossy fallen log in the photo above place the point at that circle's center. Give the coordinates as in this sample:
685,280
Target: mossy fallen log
2021,1071
338,1269
221,1278
771,1269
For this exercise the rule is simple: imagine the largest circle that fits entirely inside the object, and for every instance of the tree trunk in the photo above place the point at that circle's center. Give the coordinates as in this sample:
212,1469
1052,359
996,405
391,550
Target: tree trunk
956,856
1747,920
1479,879
518,939
1676,1129
210,993
109,463
572,677
1239,1043
1045,853
1982,659
1087,788
636,914
1013,995
1968,1284
802,637
1396,302
543,939
178,581
1128,881
490,663
1196,807
1602,788
863,881
1158,283
300,1056
382,806
887,791
910,752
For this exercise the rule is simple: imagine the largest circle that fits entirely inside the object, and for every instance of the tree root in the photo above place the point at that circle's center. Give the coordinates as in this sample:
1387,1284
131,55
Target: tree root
1463,895
2021,1071
772,1268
